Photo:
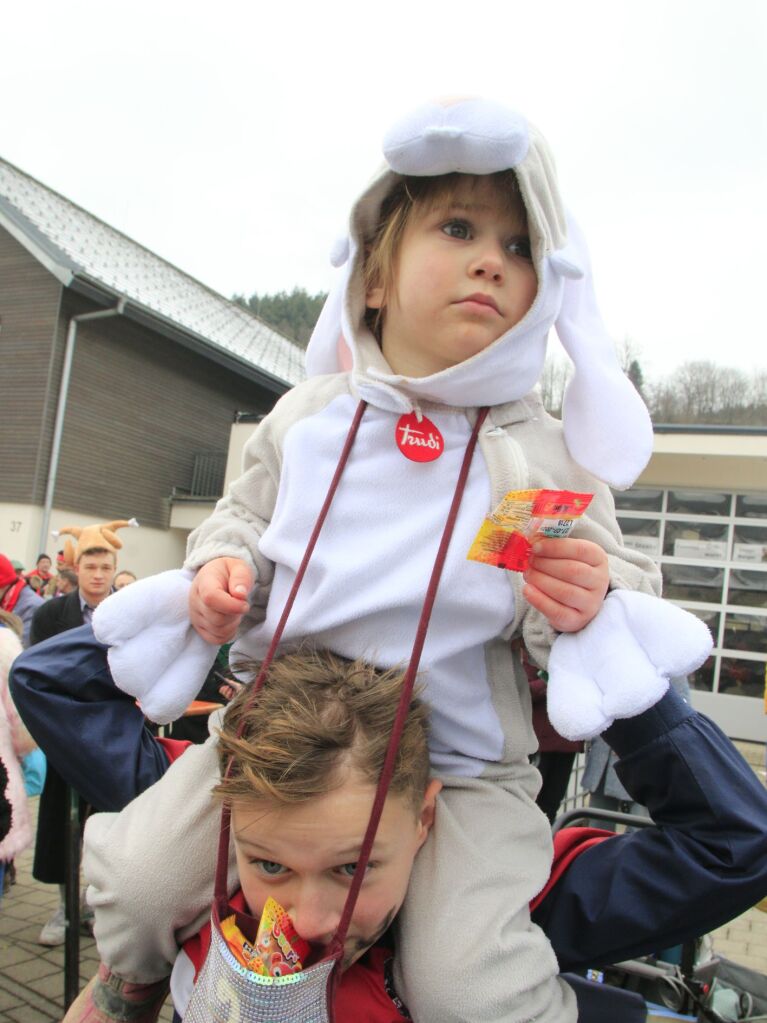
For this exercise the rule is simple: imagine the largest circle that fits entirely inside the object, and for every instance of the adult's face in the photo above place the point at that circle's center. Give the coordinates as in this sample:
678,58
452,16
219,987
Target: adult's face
64,586
304,855
95,573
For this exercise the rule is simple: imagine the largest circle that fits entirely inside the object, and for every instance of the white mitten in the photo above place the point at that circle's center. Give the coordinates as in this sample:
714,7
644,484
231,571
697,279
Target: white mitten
155,654
621,662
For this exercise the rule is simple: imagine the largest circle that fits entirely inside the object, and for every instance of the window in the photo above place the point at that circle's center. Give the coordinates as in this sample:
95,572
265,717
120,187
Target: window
749,588
703,678
698,502
745,632
751,506
639,500
641,535
705,541
712,551
693,582
749,543
742,678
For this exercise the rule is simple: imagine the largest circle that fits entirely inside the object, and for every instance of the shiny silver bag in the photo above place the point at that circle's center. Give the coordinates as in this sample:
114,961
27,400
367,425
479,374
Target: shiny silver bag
228,992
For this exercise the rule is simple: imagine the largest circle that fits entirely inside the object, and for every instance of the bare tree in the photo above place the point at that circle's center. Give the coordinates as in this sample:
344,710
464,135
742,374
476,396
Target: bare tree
734,389
700,391
663,403
757,396
696,385
628,352
553,380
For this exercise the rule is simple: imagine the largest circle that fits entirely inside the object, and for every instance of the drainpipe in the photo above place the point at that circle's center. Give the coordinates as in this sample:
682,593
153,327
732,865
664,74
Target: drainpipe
61,409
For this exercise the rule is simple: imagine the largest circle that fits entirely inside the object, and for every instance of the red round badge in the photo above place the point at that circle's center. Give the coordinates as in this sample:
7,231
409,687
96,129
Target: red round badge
418,441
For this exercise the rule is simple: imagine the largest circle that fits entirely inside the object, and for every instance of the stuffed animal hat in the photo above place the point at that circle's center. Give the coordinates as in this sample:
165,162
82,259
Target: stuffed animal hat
607,428
101,535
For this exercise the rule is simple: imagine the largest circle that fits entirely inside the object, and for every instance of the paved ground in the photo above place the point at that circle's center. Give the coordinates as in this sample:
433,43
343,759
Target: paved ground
32,977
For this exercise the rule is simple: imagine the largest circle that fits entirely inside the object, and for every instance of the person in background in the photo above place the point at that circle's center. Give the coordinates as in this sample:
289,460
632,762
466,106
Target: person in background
555,756
15,744
5,818
39,576
95,570
124,578
17,597
64,582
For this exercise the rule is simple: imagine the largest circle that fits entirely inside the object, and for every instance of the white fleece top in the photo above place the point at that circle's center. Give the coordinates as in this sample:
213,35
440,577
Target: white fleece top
363,591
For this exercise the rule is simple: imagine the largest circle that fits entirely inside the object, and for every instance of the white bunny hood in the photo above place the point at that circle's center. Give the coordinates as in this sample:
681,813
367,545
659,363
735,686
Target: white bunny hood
607,427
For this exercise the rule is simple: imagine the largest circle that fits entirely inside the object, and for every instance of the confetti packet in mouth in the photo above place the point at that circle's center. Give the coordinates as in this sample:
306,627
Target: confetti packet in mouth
506,537
278,949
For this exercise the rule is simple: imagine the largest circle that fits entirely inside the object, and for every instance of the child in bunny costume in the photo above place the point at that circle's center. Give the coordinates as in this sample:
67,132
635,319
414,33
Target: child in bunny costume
459,260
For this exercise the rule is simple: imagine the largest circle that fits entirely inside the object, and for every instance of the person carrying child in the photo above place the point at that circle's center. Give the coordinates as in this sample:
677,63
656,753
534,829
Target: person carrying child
459,261
703,863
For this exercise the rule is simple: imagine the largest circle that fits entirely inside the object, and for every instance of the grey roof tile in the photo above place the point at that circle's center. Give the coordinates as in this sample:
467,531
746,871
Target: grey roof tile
81,245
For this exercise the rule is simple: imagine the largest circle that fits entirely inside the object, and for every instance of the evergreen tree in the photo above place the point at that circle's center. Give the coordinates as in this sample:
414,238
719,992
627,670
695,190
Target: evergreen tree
635,375
293,314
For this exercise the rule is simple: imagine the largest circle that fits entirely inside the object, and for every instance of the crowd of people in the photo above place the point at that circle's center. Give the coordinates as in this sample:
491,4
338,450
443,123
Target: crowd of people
375,770
35,605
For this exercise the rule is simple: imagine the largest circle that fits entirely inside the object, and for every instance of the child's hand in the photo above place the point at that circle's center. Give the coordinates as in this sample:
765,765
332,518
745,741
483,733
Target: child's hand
218,598
567,581
230,688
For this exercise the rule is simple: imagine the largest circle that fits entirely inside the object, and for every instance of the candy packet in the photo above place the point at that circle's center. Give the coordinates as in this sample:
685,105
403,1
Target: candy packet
506,536
278,949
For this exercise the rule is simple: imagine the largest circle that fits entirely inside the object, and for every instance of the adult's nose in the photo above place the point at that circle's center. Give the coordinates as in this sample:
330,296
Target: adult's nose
313,916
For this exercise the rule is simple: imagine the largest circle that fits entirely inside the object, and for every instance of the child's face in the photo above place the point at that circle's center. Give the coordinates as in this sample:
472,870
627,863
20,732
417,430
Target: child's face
463,278
304,854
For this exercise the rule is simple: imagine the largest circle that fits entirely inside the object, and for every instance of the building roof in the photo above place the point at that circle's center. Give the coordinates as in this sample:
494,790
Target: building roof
94,259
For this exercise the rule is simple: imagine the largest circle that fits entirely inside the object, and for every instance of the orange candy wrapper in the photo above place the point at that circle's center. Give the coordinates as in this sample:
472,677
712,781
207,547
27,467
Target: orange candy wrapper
506,536
278,949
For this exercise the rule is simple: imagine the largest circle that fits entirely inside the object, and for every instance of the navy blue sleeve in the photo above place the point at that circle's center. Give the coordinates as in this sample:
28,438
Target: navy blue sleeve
704,863
92,733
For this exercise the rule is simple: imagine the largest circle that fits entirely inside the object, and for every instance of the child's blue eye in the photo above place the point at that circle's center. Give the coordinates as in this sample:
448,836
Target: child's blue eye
457,229
520,247
269,867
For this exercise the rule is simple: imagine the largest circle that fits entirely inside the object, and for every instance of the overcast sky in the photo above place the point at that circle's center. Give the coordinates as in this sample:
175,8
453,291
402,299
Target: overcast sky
231,137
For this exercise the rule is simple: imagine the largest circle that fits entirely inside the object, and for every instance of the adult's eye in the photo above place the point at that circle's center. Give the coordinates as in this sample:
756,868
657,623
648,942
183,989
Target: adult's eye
520,247
457,229
347,869
269,867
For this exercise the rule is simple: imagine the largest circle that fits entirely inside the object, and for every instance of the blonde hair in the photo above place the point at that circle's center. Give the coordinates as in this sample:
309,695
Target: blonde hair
317,715
413,196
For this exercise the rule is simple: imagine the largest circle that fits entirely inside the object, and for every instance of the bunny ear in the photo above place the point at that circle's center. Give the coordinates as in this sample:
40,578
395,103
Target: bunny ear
323,354
606,424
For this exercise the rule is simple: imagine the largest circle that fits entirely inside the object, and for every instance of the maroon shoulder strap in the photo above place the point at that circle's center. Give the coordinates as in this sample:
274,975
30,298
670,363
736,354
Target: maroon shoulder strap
336,947
407,694
220,892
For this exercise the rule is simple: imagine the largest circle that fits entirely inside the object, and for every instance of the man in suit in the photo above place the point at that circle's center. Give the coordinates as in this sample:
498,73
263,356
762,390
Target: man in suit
95,568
